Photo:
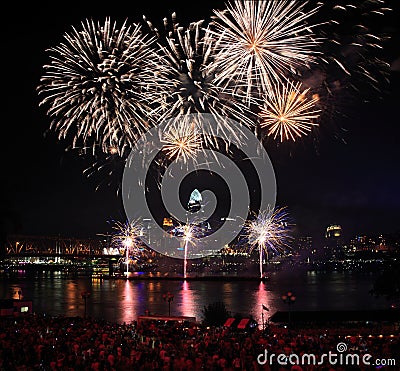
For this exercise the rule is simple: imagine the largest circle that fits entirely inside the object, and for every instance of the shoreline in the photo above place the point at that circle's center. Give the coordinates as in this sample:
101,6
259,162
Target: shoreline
192,278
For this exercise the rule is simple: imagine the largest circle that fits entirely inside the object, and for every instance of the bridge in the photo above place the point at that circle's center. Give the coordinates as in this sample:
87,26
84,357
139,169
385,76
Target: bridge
55,246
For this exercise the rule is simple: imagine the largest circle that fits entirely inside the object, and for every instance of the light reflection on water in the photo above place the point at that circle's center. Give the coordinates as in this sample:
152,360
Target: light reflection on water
123,301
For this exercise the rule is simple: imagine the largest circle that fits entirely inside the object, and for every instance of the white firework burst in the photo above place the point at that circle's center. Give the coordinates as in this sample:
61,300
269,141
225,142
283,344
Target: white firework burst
258,43
126,234
98,83
186,55
269,231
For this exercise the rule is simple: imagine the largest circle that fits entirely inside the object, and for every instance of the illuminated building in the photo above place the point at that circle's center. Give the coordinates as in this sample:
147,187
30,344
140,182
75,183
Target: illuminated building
195,201
333,231
167,223
333,249
366,246
196,204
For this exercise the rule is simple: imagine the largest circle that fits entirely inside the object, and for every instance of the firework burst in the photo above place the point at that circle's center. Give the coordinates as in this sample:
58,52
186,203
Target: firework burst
186,81
257,43
126,237
97,84
190,233
269,231
288,112
181,141
126,234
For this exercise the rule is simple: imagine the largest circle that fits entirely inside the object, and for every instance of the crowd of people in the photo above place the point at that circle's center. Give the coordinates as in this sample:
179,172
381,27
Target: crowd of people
42,342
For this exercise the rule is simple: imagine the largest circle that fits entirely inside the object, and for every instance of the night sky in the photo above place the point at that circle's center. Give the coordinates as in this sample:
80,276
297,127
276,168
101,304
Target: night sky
348,175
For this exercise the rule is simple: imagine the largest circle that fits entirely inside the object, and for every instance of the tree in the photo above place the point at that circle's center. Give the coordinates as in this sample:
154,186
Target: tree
215,314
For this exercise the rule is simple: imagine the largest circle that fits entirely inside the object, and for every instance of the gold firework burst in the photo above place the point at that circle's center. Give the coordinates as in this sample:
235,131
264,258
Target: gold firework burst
181,141
288,112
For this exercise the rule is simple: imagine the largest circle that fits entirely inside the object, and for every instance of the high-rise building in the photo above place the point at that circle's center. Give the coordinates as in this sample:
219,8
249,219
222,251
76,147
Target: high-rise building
195,201
304,243
334,231
333,249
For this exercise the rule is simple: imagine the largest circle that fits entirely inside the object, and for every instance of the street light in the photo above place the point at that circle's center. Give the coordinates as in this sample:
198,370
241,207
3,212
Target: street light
85,295
168,297
289,298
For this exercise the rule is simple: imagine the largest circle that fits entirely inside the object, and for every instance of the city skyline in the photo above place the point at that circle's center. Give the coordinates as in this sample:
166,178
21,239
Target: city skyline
322,180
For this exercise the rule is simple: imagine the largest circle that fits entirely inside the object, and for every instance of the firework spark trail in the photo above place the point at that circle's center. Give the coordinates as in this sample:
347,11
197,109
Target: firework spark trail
259,42
357,51
105,168
189,237
270,231
98,83
288,112
190,234
350,64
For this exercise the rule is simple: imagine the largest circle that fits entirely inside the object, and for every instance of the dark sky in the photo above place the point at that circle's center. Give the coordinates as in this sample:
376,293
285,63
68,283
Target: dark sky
352,180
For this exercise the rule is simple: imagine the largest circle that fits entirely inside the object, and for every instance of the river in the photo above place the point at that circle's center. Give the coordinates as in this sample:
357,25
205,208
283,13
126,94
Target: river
123,300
